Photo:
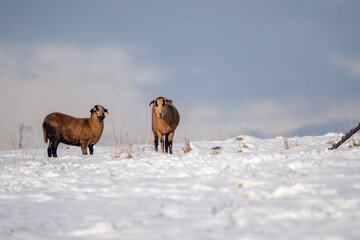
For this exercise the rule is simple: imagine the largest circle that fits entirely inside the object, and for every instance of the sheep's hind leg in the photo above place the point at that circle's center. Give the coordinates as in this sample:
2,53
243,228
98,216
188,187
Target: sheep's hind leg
170,137
49,150
91,149
54,147
167,143
162,143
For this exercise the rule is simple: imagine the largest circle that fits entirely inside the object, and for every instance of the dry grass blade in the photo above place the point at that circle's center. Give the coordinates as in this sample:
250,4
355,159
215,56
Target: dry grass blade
239,139
286,144
187,148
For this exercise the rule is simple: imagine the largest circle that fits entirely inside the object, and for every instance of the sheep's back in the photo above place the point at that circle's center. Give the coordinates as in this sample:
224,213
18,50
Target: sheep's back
69,127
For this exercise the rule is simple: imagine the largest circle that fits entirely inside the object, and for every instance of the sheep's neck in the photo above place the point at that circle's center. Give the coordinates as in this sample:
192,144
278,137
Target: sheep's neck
96,125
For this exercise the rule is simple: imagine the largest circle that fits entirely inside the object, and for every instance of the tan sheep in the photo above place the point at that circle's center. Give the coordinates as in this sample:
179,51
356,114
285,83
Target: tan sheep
84,132
165,119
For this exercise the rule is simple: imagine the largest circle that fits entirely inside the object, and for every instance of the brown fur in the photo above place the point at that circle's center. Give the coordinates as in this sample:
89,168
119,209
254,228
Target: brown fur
84,132
165,119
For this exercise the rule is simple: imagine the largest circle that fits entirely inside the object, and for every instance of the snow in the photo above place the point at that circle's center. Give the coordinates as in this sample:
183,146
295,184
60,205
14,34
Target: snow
229,189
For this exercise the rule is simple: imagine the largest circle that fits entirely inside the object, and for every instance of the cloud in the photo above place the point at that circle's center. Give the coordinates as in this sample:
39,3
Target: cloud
351,65
262,117
36,80
66,63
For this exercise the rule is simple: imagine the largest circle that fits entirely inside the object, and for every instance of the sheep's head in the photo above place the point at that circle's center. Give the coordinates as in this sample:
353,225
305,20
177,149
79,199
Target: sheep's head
160,106
99,112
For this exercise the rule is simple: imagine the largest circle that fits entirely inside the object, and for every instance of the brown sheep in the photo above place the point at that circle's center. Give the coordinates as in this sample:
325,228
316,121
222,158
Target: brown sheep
84,132
165,119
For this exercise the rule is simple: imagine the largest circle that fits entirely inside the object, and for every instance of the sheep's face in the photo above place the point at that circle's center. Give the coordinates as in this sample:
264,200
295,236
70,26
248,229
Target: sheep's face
99,112
161,106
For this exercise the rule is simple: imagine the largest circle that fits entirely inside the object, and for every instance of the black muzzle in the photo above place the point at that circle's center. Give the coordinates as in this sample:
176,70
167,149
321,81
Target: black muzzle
101,117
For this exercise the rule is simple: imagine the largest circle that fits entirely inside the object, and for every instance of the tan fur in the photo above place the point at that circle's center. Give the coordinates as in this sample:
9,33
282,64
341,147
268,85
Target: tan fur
44,134
165,119
84,132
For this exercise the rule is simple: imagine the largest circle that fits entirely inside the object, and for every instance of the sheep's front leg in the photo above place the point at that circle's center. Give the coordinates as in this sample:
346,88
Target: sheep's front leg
158,137
84,145
156,141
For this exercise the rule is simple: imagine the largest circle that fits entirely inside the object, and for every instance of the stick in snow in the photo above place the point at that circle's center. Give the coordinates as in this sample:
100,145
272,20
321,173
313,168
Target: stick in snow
346,137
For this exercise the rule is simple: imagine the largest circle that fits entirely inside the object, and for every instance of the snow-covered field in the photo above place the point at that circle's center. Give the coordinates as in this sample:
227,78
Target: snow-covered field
212,192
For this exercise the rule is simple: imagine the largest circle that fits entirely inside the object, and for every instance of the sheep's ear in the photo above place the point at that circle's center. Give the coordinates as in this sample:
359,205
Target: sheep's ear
92,110
169,100
106,111
152,102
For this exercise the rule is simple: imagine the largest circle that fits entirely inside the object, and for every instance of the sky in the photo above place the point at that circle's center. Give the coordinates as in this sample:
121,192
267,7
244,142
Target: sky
262,68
